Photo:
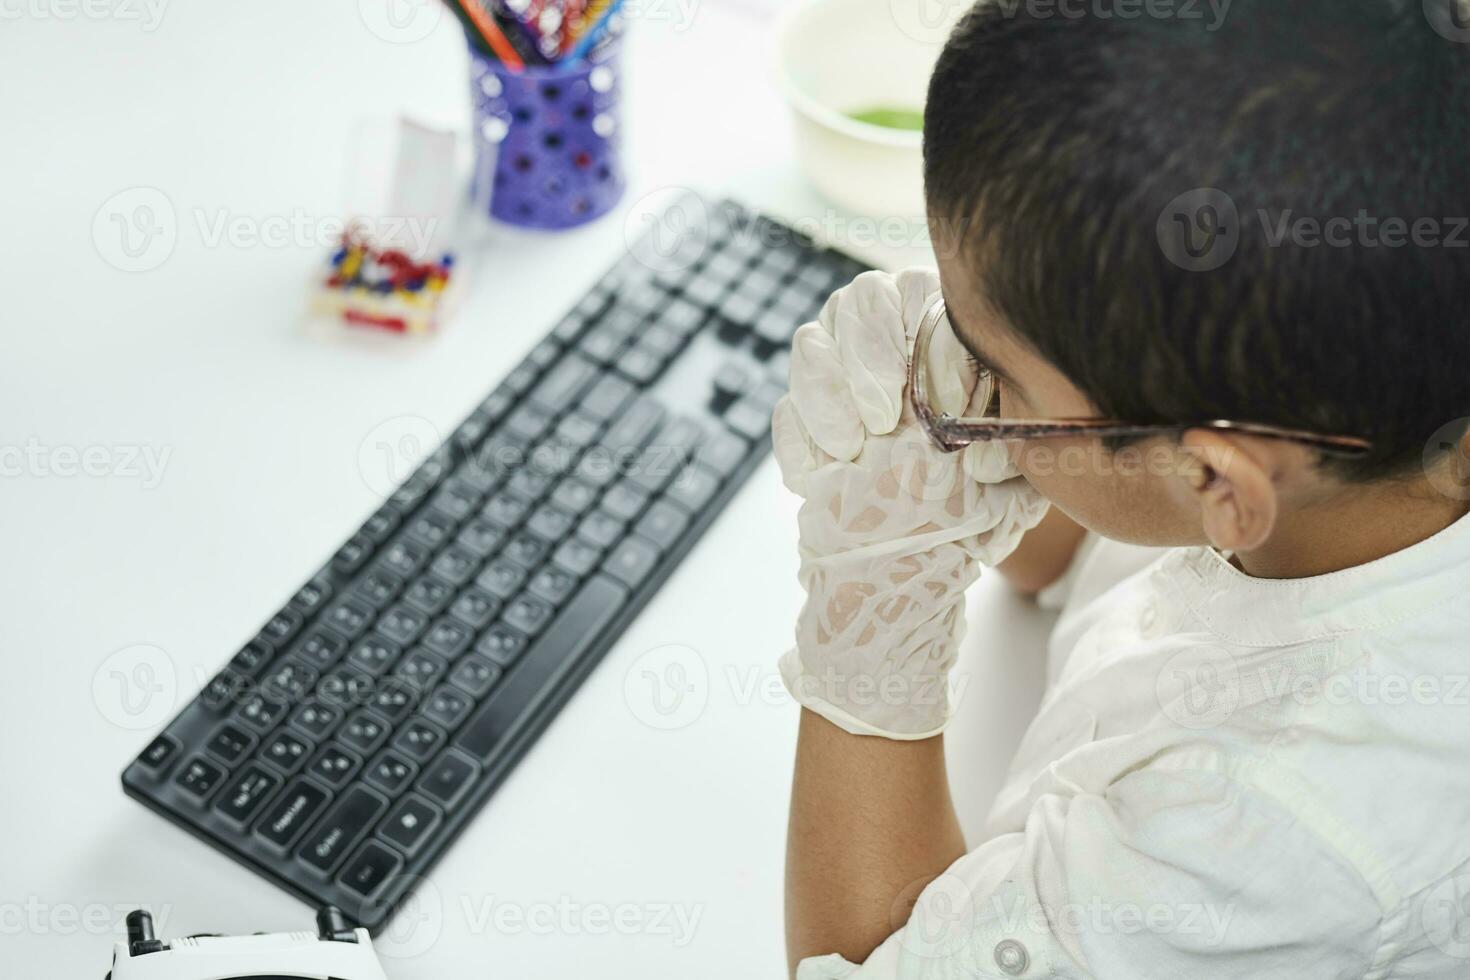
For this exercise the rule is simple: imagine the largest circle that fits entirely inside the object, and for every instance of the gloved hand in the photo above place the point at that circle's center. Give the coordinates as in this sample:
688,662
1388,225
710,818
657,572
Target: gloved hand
892,530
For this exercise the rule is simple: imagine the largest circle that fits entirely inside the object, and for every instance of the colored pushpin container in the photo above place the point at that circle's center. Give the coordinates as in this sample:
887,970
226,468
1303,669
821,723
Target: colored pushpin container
548,139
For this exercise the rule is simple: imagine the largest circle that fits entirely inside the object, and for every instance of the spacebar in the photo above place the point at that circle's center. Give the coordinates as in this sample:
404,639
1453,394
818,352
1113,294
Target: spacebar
542,667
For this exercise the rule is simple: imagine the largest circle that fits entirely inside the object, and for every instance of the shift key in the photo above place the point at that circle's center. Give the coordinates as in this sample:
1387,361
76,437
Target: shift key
345,824
543,666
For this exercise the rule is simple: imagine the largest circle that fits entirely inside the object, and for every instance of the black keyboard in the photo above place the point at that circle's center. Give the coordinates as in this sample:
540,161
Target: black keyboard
343,749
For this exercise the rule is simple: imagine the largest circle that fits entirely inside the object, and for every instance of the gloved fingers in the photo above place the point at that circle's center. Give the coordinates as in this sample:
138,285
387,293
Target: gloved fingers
990,462
820,393
953,374
866,318
796,454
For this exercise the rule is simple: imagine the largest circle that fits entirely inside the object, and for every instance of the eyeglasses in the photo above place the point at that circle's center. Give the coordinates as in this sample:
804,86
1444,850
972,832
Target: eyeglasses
952,434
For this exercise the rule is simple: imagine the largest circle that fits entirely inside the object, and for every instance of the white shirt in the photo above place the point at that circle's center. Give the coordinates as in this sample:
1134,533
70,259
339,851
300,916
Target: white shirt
1228,777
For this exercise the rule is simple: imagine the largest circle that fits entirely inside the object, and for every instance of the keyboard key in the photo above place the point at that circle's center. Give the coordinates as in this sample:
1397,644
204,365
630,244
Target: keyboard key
281,628
601,529
448,637
320,648
344,687
449,778
410,823
288,681
633,428
502,645
576,557
334,765
632,561
292,813
260,713
419,740
607,397
285,751
447,707
639,365
561,387
526,550
377,528
730,382
310,596
352,556
431,528
246,794
402,624
475,608
723,452
421,668
528,423
480,537
574,497
522,694
200,777
251,658
363,732
377,588
225,689
625,501
404,557
550,524
395,698
373,654
345,823
506,510
693,489
552,584
474,675
749,419
501,578
230,743
528,615
160,753
315,720
663,524
372,865
391,772
457,565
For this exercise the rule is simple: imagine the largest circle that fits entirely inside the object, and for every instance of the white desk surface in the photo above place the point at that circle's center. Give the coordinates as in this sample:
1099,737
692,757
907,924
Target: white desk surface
618,847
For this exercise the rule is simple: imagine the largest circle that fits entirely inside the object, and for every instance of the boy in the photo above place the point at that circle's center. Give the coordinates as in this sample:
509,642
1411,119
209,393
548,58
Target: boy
1253,759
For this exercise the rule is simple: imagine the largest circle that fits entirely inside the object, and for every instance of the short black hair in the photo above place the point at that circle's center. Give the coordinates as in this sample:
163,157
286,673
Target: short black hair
1058,132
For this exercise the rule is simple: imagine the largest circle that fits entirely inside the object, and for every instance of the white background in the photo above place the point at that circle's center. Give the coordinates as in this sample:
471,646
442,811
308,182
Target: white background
243,110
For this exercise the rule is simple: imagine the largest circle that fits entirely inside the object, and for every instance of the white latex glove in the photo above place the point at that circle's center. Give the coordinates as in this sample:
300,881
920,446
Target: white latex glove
892,530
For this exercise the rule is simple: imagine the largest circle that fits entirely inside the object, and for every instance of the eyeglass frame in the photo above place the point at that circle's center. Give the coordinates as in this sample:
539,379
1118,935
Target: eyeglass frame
951,434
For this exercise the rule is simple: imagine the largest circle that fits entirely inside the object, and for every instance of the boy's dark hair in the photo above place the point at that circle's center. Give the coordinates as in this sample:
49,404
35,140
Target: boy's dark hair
1058,132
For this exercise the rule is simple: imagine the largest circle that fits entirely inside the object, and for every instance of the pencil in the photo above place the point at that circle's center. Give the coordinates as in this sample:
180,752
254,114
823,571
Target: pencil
489,32
594,33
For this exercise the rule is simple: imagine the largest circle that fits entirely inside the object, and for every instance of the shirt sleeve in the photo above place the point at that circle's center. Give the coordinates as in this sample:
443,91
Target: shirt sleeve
1176,873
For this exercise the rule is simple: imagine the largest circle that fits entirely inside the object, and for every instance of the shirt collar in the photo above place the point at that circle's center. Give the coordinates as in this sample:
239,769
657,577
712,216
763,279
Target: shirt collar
1268,612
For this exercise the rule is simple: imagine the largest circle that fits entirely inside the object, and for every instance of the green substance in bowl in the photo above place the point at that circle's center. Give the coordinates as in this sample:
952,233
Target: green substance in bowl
890,117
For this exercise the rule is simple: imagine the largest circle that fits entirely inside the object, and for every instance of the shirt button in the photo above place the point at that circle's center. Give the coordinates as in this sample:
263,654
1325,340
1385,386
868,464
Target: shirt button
1012,957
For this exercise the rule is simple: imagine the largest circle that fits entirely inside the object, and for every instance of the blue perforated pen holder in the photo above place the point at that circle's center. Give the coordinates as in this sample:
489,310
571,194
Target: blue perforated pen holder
548,139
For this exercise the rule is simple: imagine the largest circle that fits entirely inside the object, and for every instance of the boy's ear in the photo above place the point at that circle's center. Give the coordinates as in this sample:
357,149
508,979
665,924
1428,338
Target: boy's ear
1234,487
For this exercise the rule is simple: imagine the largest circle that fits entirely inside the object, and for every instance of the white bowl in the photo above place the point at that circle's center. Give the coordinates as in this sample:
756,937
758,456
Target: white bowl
837,57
